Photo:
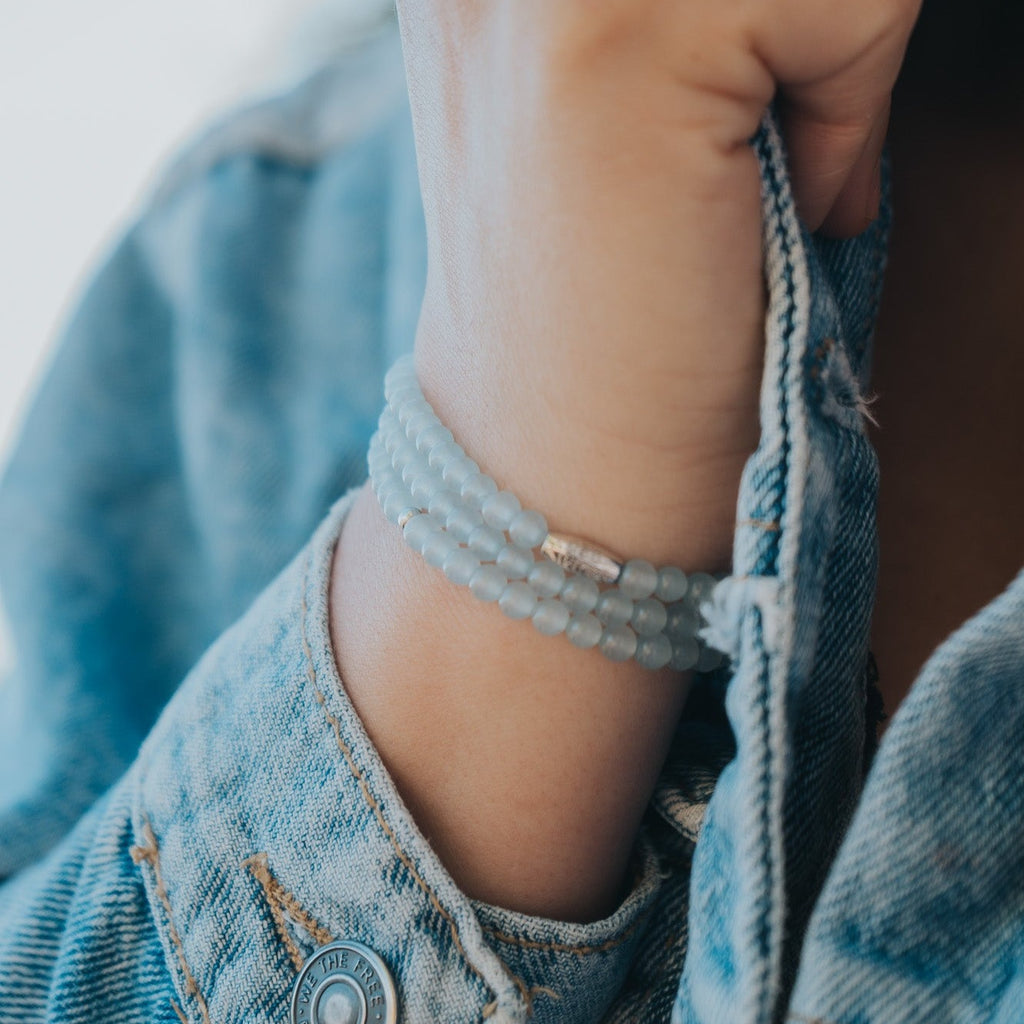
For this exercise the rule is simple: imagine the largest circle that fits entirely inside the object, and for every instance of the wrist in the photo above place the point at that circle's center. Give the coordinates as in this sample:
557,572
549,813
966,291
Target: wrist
612,470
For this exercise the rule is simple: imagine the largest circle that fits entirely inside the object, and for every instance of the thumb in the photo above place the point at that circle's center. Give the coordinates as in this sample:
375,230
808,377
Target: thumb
835,167
835,64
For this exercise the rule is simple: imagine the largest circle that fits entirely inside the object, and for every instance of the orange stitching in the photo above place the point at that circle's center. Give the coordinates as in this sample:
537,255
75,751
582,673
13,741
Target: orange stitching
283,904
151,855
180,1013
562,947
772,526
371,800
531,992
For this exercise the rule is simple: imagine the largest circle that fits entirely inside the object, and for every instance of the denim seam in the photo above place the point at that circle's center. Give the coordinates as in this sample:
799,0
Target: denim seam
564,947
768,163
364,787
150,853
284,906
771,964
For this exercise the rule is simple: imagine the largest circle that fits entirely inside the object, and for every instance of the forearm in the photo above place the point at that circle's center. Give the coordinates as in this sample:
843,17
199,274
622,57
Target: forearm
599,359
526,762
591,335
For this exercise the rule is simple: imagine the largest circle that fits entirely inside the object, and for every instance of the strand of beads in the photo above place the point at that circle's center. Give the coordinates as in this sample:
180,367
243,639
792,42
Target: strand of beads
479,536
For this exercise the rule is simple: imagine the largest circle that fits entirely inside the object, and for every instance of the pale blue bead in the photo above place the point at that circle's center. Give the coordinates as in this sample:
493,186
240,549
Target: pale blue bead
709,659
395,505
638,579
460,565
385,484
487,583
683,620
408,410
400,398
649,617
395,499
528,529
436,549
441,503
398,392
671,584
456,470
584,630
546,578
378,461
400,381
701,585
486,542
618,643
428,438
420,421
580,594
443,453
476,487
518,601
654,652
614,608
551,617
418,529
388,420
514,562
685,652
401,384
500,509
423,487
386,479
405,453
461,522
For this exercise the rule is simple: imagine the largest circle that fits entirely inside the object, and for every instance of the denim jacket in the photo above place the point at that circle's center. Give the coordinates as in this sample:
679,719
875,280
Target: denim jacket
189,805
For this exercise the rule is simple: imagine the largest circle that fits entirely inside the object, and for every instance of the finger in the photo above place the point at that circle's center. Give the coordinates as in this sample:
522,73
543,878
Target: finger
857,205
835,83
827,158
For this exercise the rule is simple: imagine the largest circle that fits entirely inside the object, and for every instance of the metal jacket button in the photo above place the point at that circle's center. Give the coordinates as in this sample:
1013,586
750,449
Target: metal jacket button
344,983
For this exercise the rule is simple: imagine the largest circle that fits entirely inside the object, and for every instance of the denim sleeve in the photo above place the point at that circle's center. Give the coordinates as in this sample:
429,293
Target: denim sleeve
279,830
259,824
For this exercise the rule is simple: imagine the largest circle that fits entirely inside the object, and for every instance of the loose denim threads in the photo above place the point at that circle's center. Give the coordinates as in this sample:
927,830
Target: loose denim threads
150,854
285,910
370,799
528,993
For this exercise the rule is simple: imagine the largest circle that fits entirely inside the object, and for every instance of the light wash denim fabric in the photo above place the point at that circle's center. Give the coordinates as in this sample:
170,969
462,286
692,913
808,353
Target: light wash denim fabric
211,401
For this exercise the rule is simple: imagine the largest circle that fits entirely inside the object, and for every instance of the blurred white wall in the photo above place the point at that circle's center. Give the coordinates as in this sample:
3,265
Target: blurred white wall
94,96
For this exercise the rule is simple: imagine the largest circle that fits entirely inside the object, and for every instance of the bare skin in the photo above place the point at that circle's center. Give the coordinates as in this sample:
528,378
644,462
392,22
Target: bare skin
949,373
592,332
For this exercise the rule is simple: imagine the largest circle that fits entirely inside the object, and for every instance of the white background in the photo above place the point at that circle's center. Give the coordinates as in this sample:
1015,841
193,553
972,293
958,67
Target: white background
94,97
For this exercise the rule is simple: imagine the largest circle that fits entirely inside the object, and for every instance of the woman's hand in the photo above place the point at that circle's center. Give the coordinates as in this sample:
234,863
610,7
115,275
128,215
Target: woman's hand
592,329
592,334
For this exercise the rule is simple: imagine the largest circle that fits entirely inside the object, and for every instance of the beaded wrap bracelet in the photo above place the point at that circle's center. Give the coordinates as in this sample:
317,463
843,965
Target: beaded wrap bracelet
460,522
